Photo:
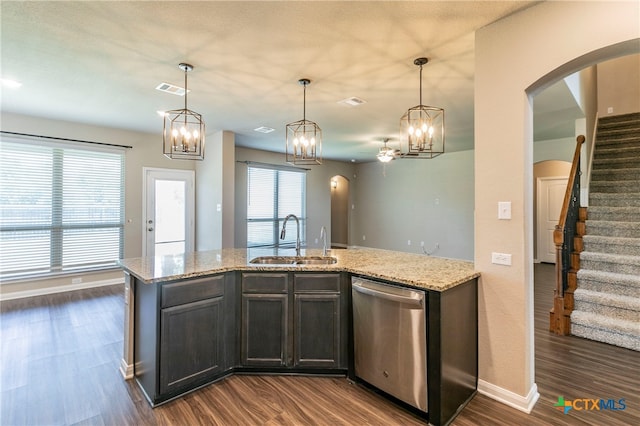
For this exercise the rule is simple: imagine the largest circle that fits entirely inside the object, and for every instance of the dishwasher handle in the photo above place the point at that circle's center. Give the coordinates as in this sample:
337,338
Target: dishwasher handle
411,298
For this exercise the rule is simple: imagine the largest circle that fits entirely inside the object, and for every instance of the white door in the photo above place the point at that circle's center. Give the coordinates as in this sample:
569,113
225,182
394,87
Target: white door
550,198
168,211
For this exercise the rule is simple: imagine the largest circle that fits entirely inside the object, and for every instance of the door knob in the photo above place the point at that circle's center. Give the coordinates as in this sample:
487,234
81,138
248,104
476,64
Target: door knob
149,229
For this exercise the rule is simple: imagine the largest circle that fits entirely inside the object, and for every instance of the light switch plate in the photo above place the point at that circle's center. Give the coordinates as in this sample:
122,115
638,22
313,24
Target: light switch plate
504,209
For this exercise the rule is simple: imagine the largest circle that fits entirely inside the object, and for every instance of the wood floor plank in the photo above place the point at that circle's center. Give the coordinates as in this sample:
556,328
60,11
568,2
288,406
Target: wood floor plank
60,356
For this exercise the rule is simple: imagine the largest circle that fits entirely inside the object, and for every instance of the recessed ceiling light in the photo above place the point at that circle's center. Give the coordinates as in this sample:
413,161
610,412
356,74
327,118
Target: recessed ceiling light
352,101
264,129
170,88
12,84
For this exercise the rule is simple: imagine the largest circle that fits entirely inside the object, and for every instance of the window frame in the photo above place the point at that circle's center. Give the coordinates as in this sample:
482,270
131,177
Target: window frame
57,225
275,218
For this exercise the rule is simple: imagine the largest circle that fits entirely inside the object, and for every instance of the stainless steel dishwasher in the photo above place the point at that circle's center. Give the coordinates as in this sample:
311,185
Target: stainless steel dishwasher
389,327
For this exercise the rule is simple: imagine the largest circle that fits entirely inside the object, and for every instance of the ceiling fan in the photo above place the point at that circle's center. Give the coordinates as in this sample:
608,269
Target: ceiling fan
387,154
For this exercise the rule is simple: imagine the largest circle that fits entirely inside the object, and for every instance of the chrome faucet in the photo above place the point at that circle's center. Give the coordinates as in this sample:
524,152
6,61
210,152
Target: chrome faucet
323,235
283,233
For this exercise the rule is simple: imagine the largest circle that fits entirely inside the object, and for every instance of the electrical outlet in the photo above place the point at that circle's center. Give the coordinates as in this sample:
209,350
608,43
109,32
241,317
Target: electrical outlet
421,243
364,237
501,259
408,242
76,280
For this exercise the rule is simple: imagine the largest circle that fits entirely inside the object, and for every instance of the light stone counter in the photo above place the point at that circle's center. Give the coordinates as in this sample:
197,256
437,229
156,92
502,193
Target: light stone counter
431,273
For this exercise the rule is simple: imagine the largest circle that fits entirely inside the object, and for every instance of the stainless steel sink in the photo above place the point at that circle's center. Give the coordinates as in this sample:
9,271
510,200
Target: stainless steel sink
294,260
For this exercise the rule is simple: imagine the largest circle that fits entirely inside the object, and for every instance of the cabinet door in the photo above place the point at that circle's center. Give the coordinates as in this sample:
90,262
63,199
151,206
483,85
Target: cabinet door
191,343
264,332
317,330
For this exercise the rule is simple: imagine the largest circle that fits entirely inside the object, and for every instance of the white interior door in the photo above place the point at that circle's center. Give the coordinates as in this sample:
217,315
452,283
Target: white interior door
550,197
168,212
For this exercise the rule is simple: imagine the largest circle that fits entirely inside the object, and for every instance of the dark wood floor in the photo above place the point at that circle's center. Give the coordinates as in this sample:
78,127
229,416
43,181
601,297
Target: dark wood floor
60,355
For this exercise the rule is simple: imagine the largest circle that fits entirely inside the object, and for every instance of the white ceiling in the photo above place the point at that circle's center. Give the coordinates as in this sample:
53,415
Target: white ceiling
99,63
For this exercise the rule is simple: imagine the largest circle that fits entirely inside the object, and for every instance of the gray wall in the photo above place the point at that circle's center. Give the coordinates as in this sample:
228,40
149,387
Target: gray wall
417,200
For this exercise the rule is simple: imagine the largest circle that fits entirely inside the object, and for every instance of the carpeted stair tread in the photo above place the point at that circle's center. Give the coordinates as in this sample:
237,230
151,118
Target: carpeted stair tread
622,333
612,245
609,304
631,328
615,186
613,258
618,151
613,228
614,213
619,140
603,276
615,163
611,282
630,173
613,199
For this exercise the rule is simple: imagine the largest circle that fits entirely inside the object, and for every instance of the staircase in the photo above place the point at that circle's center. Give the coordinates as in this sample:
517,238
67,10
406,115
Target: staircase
607,300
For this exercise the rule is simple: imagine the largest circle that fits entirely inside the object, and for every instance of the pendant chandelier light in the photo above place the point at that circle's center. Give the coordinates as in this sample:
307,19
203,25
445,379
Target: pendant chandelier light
386,154
183,133
304,137
422,127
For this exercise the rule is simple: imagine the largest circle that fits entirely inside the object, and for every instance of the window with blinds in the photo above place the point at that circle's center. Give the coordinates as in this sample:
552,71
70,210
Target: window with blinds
61,208
272,194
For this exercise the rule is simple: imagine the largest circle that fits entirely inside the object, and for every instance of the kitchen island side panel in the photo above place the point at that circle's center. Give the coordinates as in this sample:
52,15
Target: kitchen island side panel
452,350
145,342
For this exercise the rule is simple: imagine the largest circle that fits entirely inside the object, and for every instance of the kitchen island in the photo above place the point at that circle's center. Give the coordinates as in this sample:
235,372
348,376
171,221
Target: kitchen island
193,319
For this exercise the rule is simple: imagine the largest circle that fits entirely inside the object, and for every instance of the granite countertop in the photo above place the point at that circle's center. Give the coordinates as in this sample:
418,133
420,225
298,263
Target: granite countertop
431,273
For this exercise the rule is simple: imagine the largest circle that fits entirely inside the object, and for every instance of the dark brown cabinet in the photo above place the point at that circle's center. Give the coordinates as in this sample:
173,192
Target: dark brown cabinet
184,335
293,320
317,321
192,337
265,320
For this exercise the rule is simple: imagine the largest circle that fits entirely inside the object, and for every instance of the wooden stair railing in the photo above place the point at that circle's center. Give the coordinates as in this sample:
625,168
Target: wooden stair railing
567,238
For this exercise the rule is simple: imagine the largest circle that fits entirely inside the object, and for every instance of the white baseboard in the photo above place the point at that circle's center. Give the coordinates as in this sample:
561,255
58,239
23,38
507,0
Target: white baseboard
59,289
126,369
509,398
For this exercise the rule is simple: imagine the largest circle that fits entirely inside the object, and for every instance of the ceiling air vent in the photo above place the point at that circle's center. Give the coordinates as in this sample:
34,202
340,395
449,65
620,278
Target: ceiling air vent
352,101
170,88
263,129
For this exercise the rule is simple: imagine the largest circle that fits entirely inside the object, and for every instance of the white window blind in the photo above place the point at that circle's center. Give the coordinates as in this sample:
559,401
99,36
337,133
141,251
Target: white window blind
61,208
272,194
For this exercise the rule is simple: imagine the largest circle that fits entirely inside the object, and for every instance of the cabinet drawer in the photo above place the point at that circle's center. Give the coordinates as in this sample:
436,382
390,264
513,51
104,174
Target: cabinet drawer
192,290
313,283
265,283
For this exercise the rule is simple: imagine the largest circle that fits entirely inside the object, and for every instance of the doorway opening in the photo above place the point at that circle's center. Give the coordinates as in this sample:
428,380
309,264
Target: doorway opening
168,212
339,212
